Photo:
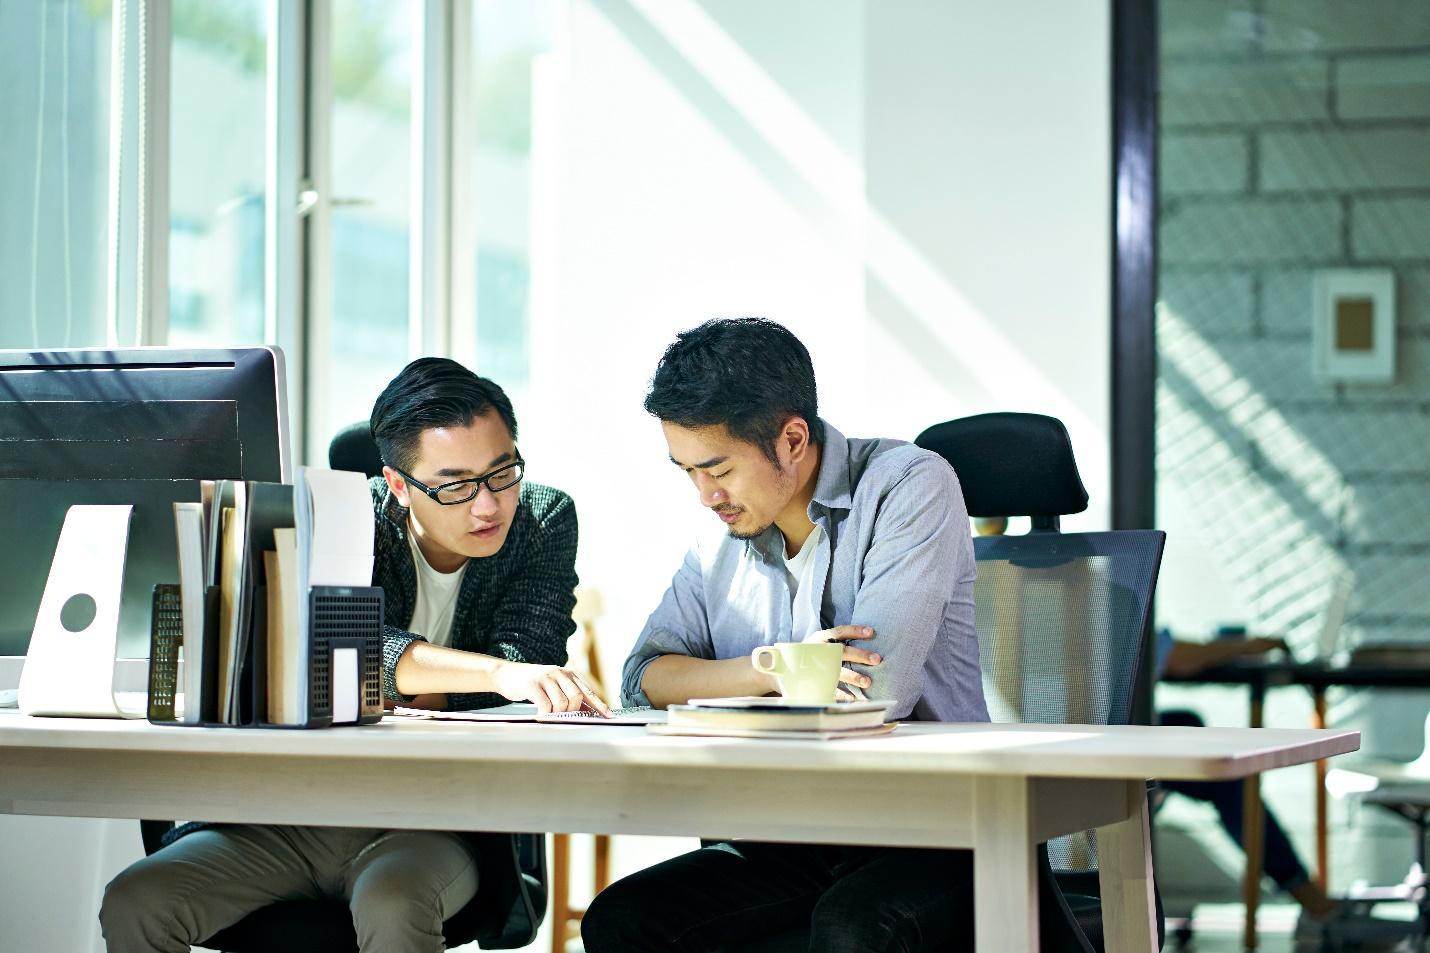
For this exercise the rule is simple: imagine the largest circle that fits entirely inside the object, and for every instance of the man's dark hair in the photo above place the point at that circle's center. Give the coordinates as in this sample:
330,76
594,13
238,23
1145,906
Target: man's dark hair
749,374
431,392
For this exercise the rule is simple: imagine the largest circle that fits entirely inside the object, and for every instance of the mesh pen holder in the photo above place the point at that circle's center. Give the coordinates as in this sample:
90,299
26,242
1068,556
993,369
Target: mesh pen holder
340,618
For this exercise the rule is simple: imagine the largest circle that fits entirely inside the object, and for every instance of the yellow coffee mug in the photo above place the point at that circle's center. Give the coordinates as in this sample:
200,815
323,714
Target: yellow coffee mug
807,672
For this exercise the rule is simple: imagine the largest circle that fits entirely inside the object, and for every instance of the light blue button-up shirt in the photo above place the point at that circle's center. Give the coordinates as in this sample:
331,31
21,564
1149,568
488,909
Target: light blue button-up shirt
897,555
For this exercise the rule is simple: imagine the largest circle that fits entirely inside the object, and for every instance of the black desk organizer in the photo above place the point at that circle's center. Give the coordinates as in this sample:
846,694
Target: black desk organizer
340,617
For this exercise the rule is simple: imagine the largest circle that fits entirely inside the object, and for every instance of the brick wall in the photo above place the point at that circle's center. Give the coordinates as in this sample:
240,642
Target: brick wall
1295,135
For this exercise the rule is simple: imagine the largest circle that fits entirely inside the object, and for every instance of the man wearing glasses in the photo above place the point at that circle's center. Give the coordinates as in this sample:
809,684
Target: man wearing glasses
478,567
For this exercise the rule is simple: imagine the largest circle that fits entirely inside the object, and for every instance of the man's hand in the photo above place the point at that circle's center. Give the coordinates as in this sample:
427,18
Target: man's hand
1188,658
846,634
1260,646
551,687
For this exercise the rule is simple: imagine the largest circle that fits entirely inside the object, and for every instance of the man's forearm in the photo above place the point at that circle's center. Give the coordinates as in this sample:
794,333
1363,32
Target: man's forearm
426,668
675,679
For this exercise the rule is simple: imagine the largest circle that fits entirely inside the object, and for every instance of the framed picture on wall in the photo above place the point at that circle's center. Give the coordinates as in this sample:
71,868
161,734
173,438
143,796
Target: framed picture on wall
1353,325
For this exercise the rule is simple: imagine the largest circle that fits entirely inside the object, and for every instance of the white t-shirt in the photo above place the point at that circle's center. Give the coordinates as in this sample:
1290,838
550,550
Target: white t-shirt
436,597
801,579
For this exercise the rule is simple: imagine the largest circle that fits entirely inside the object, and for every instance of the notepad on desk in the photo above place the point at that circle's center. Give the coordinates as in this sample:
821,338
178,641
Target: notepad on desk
761,717
525,712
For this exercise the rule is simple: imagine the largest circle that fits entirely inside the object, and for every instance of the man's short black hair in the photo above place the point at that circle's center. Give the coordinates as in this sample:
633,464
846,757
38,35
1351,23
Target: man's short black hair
749,374
431,392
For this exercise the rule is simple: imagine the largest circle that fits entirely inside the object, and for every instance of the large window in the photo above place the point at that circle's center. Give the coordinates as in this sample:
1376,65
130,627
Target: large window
216,172
1292,138
510,43
371,59
54,73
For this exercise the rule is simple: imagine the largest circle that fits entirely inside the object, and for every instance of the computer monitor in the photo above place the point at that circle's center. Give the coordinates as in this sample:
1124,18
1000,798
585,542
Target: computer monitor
132,425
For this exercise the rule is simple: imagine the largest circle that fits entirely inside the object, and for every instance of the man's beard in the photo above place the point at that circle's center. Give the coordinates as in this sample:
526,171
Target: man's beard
745,537
786,478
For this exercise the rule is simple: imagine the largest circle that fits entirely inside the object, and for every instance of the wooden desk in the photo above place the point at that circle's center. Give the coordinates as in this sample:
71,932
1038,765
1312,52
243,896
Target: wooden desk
998,789
1260,675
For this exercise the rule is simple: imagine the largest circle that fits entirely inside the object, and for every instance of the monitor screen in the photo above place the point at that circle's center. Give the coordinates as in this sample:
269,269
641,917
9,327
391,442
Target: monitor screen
132,425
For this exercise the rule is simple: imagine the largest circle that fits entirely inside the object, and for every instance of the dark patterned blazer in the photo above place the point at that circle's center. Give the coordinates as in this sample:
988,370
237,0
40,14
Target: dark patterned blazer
515,605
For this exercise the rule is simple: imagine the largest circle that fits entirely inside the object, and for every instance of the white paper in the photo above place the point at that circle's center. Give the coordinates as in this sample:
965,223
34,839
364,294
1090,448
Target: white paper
339,543
332,512
345,686
189,528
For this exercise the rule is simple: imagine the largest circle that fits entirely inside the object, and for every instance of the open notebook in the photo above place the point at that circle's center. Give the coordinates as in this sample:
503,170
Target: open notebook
522,711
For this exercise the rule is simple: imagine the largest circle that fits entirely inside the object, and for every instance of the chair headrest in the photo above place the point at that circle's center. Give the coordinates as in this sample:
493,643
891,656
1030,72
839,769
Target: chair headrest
354,449
1010,464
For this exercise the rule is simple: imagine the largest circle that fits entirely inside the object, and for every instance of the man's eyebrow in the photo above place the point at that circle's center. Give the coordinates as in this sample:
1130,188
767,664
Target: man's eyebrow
463,471
712,462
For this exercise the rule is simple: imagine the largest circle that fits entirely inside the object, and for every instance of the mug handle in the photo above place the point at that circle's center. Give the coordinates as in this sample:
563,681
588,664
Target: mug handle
770,668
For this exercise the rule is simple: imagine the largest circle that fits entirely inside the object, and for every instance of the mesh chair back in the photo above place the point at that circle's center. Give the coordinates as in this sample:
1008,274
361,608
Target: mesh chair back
1061,619
1061,624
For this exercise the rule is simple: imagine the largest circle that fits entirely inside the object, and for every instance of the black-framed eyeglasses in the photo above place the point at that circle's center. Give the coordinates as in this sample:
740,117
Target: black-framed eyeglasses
461,491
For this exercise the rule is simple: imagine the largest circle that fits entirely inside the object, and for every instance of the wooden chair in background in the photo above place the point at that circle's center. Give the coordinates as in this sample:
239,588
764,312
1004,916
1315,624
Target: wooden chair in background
566,919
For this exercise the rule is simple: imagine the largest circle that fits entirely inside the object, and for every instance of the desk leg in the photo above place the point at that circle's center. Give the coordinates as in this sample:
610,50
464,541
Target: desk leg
1323,849
1124,860
1251,834
1005,871
560,891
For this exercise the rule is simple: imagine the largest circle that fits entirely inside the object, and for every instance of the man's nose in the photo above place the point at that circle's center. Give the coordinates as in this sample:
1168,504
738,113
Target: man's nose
484,504
711,493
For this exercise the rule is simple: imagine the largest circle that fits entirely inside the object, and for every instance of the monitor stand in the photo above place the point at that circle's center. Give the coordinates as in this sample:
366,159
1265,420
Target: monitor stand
69,668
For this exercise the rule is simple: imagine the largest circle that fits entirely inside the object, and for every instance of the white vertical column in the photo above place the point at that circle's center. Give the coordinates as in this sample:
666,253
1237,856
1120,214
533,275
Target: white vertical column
137,290
152,223
120,252
461,313
288,197
318,291
430,248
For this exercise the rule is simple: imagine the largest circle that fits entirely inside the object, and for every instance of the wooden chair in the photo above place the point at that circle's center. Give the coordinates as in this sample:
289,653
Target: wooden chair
566,919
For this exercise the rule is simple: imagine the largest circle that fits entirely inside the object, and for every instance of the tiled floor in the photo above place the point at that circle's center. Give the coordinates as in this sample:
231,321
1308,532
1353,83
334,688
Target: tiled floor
1218,929
1230,943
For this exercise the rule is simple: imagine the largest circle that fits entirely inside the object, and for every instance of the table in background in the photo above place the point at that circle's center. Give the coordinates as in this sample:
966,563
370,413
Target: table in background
1260,675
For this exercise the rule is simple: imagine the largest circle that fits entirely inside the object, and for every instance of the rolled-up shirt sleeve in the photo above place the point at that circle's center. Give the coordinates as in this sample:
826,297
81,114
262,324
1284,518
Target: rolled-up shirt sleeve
920,558
678,626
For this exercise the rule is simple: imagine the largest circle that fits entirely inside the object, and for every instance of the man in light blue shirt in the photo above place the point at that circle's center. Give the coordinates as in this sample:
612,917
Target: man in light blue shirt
825,538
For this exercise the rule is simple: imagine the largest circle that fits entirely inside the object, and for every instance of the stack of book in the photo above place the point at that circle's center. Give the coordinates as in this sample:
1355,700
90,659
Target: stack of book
249,553
761,717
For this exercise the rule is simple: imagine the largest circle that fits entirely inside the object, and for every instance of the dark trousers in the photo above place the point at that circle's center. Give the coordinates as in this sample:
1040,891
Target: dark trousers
738,897
1280,861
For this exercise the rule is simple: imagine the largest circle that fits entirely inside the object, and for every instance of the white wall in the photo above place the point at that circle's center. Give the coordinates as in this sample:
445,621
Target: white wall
919,190
988,230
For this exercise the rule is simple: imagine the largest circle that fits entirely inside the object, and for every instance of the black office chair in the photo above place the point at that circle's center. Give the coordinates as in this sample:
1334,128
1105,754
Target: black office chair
504,915
354,449
1062,618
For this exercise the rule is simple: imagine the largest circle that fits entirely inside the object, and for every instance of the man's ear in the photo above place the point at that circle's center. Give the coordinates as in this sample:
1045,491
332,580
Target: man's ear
397,485
795,438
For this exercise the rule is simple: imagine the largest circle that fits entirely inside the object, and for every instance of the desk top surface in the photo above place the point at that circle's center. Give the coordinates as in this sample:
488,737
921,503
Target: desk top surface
1095,751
